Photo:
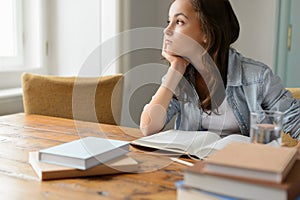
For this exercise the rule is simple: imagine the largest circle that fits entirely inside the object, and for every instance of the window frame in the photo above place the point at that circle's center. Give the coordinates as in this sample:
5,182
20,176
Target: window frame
32,59
15,62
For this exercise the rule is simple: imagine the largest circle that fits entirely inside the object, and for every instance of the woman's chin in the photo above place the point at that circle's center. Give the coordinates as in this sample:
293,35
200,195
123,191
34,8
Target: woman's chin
171,51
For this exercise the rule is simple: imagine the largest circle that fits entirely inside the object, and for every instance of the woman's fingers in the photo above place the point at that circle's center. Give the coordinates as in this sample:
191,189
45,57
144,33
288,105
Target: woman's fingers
176,62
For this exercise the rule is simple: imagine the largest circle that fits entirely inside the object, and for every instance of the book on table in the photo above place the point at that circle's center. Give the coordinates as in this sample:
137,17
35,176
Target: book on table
84,153
251,160
45,171
184,192
244,188
198,144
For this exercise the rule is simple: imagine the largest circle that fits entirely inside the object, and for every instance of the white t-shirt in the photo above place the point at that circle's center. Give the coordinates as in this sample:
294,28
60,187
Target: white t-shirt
224,121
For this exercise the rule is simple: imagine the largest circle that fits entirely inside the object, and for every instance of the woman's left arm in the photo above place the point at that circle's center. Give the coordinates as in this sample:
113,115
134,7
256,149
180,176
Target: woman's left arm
277,97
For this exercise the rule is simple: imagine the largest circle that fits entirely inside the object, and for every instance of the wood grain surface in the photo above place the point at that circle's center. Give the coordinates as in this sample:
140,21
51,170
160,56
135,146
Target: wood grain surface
21,134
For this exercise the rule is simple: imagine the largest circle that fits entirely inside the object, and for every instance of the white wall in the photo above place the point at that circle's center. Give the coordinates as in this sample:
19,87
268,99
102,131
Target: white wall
76,29
139,14
258,29
74,32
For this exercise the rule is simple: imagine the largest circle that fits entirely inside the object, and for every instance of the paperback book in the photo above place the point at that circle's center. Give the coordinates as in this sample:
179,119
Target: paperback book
84,153
244,188
185,192
45,171
252,160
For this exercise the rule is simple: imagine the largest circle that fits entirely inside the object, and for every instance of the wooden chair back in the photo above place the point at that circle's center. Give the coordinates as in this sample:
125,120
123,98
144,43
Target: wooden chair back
87,99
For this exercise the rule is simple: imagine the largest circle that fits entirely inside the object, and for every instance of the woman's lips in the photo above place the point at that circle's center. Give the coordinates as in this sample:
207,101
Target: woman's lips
168,41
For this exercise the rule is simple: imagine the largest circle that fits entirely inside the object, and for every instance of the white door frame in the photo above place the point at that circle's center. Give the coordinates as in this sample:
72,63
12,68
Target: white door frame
283,18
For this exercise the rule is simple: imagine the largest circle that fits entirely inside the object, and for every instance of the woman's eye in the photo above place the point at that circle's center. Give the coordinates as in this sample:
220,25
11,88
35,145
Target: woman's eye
180,22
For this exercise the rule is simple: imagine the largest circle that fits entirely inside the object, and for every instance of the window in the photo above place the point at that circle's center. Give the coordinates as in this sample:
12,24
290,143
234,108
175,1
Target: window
11,48
22,39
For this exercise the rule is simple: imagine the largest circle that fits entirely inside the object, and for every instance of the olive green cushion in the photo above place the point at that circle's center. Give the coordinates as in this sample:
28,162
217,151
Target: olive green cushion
87,99
295,92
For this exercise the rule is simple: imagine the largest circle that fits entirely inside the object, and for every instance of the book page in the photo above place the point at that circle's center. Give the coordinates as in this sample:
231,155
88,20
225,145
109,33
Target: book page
187,142
212,147
196,143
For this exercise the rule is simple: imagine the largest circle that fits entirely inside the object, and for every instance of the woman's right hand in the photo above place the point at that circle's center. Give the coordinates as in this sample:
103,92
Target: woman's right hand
178,63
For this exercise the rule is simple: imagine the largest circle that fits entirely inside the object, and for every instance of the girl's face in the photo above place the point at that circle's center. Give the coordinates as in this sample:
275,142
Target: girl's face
184,28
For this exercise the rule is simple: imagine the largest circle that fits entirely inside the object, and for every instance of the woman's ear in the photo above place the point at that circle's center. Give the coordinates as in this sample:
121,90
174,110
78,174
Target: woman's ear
204,39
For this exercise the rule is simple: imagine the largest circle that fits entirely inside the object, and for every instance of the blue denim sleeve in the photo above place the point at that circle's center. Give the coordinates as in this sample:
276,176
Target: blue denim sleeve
173,109
291,108
278,98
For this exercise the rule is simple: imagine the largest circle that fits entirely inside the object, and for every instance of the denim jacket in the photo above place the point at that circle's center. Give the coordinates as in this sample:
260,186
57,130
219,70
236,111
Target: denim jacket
251,85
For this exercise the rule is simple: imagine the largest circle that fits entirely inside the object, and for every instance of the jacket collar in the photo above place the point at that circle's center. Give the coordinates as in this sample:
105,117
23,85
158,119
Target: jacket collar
234,76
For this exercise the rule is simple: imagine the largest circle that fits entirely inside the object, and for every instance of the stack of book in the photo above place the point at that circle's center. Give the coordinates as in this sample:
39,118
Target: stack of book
87,156
244,171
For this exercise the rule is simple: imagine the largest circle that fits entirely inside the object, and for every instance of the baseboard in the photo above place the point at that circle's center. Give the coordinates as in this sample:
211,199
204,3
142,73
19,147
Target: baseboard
11,101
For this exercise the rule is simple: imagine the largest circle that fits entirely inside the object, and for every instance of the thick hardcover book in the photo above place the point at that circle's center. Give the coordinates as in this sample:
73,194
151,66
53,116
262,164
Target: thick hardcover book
184,192
199,144
84,153
45,171
244,188
251,160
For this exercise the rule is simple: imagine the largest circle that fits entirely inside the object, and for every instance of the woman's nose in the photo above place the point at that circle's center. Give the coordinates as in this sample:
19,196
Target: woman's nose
168,30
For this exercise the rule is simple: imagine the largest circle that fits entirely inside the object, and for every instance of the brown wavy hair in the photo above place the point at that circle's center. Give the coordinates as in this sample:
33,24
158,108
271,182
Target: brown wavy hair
221,27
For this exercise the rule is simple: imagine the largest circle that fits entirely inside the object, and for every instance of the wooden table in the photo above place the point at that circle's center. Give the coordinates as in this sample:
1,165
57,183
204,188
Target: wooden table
20,134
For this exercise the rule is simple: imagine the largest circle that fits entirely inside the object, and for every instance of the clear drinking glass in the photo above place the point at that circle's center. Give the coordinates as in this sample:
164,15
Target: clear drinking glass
265,126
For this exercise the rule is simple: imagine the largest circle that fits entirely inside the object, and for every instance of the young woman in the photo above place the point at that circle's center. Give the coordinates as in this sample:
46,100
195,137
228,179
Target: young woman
209,85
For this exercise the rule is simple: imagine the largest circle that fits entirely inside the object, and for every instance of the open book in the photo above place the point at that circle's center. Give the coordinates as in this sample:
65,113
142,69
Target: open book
199,144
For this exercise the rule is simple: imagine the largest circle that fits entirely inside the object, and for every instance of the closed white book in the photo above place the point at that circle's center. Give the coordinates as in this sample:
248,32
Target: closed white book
84,153
45,171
